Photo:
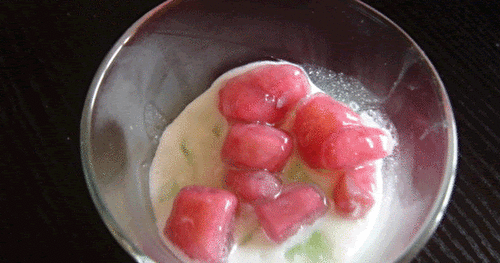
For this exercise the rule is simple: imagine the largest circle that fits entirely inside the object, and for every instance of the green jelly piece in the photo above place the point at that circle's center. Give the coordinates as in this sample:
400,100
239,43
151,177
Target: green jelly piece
296,250
297,173
244,240
187,152
316,249
169,190
217,130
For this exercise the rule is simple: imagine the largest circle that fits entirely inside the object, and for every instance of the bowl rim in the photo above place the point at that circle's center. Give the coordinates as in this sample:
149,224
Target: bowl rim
441,203
430,224
85,132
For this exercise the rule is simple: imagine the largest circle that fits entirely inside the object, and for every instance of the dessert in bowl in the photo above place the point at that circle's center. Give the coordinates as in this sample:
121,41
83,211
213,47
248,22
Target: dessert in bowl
176,52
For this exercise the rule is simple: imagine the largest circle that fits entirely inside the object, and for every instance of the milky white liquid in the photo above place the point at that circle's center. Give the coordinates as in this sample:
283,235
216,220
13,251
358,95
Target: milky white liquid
189,154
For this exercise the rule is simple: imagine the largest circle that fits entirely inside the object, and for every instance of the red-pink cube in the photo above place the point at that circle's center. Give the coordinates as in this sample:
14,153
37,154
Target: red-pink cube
256,146
264,94
353,194
201,221
353,146
298,205
253,186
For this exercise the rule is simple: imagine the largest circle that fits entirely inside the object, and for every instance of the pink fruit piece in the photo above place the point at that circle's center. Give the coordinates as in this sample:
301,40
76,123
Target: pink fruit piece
316,119
256,146
253,186
264,94
353,194
201,222
299,204
353,146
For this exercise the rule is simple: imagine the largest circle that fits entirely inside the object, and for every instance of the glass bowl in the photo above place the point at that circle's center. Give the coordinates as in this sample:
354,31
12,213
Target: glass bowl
173,53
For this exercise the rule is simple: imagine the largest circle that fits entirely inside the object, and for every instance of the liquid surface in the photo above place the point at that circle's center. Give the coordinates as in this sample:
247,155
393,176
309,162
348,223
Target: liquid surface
189,154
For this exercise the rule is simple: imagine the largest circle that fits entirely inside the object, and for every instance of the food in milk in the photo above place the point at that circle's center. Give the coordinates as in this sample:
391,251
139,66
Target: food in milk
189,153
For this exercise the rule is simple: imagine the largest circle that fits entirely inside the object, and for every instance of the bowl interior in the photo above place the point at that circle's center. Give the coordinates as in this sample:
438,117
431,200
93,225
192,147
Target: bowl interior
173,54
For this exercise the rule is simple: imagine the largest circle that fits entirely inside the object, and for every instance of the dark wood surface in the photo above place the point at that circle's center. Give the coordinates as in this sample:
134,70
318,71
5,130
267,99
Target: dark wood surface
50,50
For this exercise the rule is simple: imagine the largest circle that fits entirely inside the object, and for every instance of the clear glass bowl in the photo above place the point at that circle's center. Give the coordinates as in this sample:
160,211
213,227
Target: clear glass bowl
174,52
